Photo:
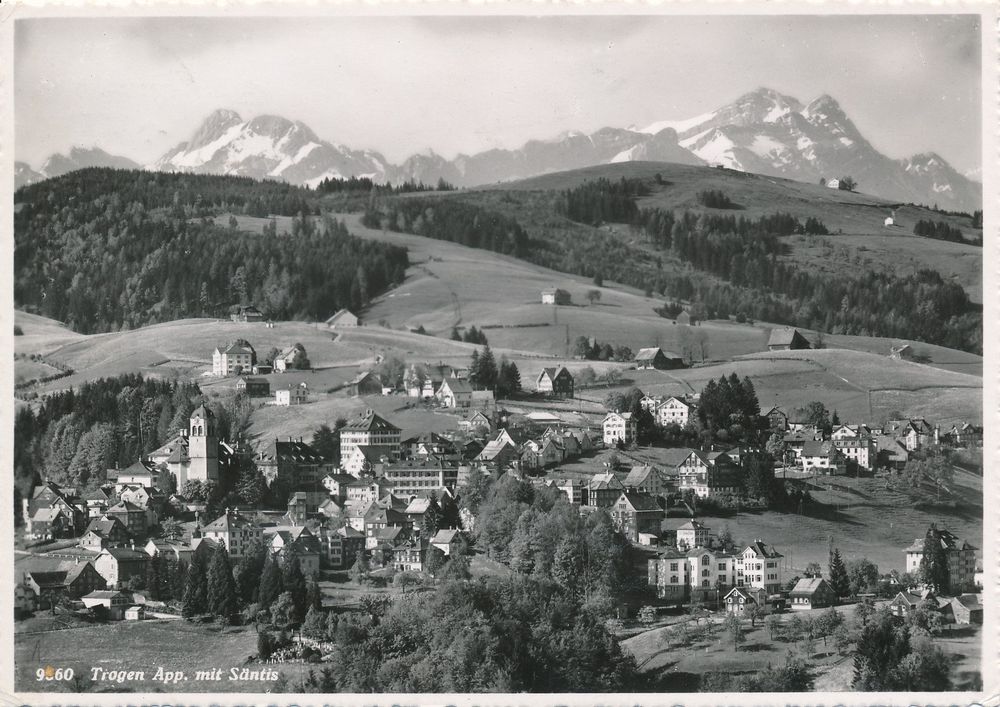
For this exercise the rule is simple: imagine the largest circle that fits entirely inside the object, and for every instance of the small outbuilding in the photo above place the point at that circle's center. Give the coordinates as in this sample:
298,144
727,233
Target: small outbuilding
786,339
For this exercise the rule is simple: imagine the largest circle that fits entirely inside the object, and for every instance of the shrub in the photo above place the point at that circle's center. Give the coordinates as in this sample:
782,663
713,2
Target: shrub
18,331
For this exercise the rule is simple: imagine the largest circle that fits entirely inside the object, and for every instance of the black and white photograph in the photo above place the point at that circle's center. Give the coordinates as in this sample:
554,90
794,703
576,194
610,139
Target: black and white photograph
500,350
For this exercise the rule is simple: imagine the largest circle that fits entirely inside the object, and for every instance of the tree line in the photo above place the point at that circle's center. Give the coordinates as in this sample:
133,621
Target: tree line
104,250
449,220
600,200
943,231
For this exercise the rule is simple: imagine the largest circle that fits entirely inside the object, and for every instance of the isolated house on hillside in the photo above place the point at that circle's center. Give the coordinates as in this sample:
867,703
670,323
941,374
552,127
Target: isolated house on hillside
366,383
343,320
292,394
555,382
901,352
233,359
254,387
786,339
247,314
657,358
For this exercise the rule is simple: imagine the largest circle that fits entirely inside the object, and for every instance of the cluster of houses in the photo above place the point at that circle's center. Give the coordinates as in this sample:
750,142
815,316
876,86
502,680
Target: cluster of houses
239,359
866,446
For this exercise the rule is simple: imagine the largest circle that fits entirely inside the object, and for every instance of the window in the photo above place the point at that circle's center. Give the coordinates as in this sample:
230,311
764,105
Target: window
673,566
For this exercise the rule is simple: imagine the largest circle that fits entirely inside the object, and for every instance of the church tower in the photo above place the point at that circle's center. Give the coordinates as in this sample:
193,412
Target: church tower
203,446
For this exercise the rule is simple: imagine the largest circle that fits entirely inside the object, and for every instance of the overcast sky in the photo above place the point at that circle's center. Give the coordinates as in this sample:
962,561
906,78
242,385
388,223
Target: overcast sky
464,84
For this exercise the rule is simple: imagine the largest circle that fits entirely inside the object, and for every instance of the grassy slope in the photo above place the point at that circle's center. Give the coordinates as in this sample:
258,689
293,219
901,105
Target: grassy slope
856,219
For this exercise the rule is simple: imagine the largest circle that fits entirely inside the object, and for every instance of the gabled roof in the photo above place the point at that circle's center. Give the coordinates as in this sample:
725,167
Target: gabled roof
740,592
123,553
785,337
236,348
76,569
819,448
370,422
762,549
606,480
457,385
105,594
693,525
638,475
104,526
554,372
418,505
49,580
340,314
647,354
227,523
808,586
640,501
126,506
445,537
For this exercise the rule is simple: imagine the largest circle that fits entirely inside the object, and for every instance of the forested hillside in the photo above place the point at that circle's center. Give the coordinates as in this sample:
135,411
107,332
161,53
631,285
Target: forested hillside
105,249
725,265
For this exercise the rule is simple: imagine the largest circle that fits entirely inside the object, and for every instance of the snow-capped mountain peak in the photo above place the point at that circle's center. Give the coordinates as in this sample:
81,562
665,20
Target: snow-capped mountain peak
267,146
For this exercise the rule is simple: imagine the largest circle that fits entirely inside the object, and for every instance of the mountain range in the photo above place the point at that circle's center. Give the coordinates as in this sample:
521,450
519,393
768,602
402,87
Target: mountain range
762,131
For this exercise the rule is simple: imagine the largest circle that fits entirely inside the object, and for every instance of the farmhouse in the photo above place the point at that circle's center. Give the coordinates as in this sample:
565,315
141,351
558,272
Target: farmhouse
901,352
455,393
636,512
777,419
118,565
254,387
657,358
672,411
786,339
555,296
555,382
811,593
247,314
738,600
292,394
366,383
619,427
709,474
603,490
233,359
967,609
294,357
646,479
343,320
822,457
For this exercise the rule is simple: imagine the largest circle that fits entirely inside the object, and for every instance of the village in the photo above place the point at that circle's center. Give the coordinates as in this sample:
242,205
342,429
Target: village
394,508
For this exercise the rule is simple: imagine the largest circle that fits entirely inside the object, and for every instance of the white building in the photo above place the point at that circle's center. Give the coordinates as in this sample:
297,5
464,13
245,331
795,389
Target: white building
292,395
672,411
619,426
233,359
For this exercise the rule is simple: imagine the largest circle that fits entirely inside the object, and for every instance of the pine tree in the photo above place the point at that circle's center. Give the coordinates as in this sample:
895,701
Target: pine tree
487,369
934,571
153,577
295,584
270,583
178,580
839,581
168,568
474,373
196,591
221,587
249,570
360,568
314,595
432,517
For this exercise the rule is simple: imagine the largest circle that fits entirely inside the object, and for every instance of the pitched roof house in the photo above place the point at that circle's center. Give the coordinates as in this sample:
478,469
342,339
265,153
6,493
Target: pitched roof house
786,339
